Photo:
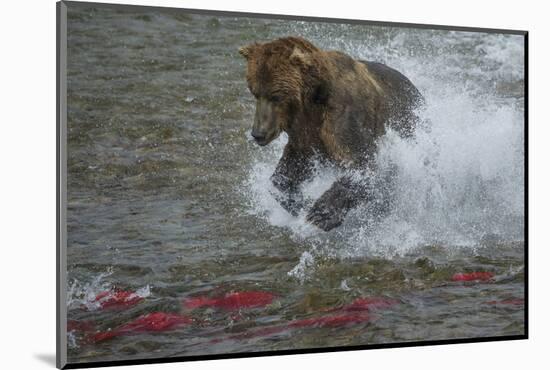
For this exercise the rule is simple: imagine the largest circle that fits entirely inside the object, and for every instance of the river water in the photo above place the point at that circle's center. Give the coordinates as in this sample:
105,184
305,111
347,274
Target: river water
168,196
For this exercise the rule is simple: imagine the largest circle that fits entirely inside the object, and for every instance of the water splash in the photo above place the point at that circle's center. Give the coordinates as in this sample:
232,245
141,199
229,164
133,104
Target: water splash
459,181
300,270
84,295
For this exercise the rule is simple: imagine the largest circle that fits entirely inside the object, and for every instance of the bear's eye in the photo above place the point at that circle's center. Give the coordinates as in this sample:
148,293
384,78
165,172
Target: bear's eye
276,99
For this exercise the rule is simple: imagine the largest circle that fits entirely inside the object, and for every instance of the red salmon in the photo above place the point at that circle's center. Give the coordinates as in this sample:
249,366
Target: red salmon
232,301
473,276
117,299
331,320
152,322
80,325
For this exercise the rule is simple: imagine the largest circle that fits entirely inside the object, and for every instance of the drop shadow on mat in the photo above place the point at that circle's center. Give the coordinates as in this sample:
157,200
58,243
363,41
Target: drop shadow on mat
46,358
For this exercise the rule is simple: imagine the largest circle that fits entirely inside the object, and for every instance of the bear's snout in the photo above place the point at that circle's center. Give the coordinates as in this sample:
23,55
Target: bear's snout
259,136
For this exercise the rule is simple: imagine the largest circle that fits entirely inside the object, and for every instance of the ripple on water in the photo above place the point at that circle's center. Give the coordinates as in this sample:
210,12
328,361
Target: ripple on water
168,197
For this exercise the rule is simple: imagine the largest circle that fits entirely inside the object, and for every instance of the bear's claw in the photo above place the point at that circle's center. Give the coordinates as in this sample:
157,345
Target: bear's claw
324,217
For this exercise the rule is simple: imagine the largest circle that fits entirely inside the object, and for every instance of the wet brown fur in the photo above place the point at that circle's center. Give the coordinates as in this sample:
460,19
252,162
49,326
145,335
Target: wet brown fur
345,124
329,104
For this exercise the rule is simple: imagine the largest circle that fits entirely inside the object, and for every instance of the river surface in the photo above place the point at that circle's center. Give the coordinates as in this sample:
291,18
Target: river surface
170,198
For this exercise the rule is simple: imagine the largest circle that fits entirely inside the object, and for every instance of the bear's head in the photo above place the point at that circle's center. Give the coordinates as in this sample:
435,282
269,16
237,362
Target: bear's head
283,75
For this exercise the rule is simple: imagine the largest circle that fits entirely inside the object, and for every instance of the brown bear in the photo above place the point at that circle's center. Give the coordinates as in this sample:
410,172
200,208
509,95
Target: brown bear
332,108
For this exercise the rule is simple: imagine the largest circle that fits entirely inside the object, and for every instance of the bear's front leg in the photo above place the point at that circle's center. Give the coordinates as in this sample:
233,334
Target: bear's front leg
293,169
290,198
332,207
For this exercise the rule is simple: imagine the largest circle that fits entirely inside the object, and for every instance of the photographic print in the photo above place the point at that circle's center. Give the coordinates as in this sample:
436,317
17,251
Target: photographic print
239,184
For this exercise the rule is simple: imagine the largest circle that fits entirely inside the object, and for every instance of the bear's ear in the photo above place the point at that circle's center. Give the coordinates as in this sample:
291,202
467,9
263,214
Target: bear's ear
246,51
298,57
